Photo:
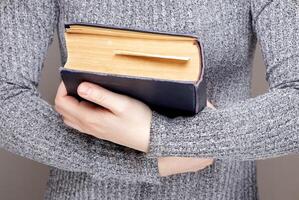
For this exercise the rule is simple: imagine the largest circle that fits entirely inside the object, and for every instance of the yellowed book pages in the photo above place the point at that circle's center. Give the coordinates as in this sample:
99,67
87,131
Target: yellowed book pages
133,53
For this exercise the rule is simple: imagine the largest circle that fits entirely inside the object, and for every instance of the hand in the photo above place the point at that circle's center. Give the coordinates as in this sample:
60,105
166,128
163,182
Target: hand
177,165
113,117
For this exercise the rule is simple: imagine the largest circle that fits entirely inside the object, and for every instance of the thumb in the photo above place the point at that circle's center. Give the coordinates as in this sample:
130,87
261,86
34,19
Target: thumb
101,96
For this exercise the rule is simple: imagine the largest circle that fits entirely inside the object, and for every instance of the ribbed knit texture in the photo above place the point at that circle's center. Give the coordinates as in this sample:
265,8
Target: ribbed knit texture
239,131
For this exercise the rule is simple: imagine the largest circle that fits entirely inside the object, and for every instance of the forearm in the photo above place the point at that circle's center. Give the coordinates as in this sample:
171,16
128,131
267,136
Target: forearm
261,127
29,126
32,129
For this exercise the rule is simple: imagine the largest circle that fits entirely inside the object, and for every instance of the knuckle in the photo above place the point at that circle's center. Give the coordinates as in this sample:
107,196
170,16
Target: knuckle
82,120
98,97
82,103
89,126
87,123
82,127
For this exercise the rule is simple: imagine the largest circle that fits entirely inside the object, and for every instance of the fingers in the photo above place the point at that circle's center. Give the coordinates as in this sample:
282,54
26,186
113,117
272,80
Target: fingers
177,165
78,112
69,106
204,164
210,105
62,96
61,92
103,97
88,112
65,103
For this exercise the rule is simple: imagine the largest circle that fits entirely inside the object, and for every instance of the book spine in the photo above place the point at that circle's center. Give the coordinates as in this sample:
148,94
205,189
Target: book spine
201,86
201,96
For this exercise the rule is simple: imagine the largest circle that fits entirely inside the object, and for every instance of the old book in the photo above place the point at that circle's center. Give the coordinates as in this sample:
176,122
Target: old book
164,70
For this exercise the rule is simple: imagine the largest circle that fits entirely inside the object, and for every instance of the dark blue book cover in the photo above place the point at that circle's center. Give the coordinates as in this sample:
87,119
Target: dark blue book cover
170,97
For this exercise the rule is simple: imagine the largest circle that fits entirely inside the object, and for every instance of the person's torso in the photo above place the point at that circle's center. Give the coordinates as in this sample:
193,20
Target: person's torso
225,30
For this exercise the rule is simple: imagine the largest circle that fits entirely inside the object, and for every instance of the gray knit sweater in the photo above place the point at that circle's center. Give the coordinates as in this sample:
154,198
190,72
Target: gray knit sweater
241,130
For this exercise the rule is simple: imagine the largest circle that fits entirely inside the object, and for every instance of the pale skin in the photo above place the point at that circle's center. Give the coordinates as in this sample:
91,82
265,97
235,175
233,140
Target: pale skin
119,119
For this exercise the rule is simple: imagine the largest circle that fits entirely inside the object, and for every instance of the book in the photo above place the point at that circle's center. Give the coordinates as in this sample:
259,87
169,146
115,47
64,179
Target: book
164,70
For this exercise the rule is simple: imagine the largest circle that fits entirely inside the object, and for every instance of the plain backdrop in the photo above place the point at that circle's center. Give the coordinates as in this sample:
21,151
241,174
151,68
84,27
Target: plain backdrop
23,179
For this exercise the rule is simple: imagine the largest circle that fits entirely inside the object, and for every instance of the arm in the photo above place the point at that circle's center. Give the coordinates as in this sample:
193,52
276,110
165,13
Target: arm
261,127
28,125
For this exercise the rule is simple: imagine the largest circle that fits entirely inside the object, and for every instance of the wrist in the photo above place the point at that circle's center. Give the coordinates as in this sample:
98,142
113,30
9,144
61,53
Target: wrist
145,143
140,139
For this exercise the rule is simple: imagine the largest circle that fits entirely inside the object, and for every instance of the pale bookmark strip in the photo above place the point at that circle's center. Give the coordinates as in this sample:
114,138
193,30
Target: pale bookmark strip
147,55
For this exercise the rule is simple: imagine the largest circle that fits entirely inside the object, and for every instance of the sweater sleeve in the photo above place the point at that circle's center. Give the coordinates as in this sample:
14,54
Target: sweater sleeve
257,128
28,125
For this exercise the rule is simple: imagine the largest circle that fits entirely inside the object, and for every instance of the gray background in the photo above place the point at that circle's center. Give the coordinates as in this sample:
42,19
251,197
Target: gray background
25,179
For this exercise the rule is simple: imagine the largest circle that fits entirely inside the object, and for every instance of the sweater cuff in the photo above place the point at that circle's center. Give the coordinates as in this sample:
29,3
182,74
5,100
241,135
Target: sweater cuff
158,135
164,131
140,169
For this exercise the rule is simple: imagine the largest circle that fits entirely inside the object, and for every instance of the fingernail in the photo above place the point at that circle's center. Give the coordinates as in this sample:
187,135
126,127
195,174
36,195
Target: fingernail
84,90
